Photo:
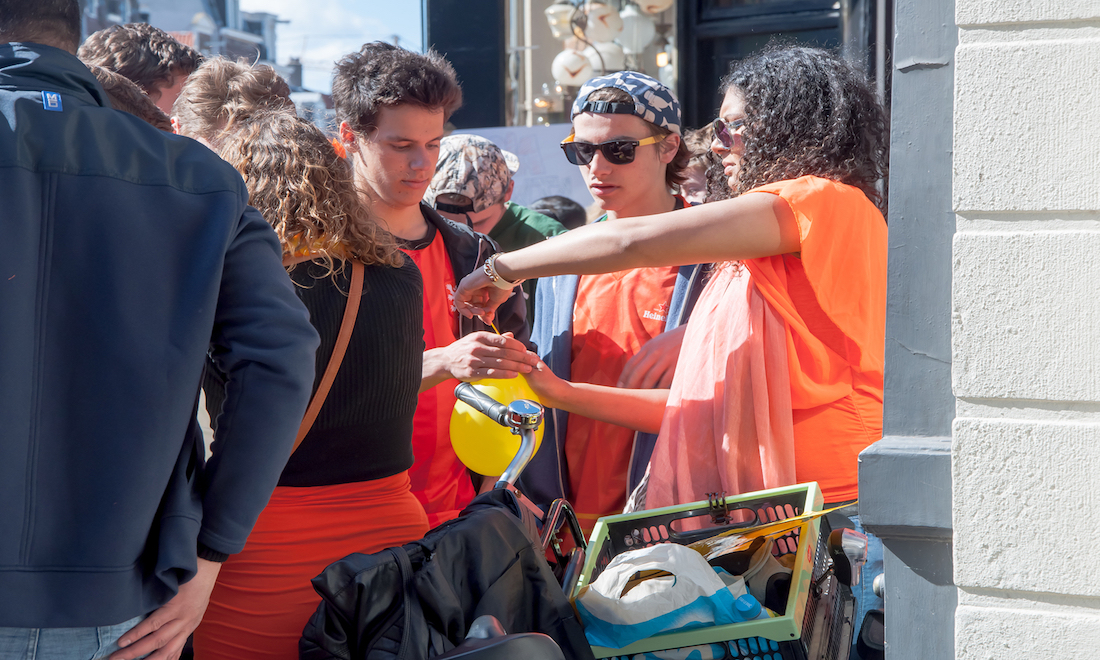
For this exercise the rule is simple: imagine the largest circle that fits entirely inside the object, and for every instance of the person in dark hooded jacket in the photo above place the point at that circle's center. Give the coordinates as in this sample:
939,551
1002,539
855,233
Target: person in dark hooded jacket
130,255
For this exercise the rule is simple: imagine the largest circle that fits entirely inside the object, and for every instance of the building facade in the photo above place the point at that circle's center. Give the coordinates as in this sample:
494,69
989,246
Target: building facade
1025,325
506,56
985,488
213,27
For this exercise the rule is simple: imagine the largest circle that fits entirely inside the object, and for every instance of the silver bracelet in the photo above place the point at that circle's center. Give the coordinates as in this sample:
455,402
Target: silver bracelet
490,269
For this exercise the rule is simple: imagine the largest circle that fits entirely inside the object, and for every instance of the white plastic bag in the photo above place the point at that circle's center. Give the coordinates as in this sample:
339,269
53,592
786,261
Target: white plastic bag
693,596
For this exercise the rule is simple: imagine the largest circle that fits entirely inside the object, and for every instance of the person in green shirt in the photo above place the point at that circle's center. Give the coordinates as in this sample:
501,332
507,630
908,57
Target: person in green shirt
473,185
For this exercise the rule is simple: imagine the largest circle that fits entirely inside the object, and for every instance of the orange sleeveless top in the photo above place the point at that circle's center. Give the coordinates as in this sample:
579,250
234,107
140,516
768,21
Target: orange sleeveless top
615,314
832,296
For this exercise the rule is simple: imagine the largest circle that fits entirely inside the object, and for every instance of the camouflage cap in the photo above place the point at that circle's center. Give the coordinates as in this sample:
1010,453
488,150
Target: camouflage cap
474,167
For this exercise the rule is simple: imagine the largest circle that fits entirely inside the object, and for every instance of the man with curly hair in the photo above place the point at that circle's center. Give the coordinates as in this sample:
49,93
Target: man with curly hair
392,105
149,56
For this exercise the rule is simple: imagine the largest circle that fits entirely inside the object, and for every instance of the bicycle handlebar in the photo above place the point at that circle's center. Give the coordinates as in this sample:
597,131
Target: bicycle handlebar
523,416
483,403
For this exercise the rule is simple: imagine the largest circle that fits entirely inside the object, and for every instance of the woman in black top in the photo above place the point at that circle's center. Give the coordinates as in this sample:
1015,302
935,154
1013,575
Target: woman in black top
346,487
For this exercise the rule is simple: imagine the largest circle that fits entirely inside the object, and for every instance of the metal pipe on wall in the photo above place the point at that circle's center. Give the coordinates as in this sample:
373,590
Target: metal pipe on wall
528,66
881,39
513,58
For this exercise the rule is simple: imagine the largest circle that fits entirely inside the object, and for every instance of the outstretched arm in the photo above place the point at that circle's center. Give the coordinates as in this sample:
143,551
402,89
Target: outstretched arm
750,226
641,410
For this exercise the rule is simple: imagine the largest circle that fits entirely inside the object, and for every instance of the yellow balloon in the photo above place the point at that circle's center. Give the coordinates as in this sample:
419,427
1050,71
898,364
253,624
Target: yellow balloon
479,442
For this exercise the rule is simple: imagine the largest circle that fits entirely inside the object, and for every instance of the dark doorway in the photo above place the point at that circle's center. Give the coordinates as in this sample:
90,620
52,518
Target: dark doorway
470,34
715,33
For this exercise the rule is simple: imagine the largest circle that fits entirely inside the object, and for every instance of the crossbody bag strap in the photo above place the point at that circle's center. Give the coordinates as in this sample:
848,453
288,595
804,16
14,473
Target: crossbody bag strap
351,310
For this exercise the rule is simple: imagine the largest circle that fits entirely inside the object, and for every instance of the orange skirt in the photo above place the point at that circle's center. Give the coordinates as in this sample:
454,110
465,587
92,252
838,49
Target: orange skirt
263,597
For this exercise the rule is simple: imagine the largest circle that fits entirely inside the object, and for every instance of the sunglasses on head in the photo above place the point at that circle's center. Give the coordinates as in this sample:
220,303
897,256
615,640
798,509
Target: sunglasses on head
724,130
617,152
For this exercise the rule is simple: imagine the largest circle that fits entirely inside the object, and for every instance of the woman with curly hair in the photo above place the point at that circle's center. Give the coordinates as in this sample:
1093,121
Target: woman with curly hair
703,161
781,373
346,486
221,93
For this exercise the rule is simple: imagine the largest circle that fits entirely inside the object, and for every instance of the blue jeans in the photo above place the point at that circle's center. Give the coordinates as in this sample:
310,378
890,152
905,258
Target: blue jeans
866,599
62,643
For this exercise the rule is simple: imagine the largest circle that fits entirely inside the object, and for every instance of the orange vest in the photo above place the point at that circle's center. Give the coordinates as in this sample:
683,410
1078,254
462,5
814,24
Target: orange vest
614,315
439,480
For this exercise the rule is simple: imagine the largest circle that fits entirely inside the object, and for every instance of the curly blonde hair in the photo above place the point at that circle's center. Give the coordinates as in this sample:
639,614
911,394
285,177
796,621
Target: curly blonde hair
221,92
306,191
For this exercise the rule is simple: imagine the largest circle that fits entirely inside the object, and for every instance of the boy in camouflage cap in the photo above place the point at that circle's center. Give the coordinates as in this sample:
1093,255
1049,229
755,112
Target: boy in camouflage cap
472,174
473,185
473,182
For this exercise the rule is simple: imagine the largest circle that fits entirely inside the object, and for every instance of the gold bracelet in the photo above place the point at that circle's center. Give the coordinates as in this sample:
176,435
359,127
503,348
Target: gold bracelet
490,269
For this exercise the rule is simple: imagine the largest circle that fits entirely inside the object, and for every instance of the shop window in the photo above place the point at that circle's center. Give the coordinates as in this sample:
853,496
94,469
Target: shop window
750,7
724,31
716,55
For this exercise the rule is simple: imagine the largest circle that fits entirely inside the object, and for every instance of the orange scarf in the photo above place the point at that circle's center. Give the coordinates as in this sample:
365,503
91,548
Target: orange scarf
728,427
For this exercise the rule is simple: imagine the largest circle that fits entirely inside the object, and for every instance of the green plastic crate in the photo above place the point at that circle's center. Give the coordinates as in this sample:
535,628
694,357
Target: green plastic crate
615,534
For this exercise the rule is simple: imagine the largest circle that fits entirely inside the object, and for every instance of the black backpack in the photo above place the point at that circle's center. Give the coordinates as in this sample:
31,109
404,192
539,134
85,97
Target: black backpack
418,601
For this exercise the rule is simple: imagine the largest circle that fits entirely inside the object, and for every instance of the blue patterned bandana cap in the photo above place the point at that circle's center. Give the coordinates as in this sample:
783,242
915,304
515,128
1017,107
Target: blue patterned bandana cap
653,101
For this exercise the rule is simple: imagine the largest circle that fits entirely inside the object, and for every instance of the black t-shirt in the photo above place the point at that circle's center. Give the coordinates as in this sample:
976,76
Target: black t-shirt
364,429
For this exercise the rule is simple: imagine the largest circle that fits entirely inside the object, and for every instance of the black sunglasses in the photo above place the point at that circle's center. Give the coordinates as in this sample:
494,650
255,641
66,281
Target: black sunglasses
617,152
723,130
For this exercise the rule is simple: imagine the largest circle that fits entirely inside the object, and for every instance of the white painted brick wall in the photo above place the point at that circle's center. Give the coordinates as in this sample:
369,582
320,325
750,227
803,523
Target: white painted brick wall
1026,329
1025,633
1026,497
1024,317
987,12
1026,136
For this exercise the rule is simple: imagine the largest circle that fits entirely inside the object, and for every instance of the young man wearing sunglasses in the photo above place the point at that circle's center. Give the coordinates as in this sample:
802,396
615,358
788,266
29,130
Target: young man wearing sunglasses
627,142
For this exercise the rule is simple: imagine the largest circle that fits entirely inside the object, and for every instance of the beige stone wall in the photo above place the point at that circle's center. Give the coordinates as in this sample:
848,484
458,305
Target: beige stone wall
1026,329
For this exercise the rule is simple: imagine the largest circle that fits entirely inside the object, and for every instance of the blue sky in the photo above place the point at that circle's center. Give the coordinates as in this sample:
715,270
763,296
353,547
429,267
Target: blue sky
320,31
